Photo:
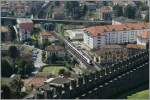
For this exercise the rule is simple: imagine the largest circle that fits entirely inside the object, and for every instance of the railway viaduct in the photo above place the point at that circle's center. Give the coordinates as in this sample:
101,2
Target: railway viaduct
12,21
103,84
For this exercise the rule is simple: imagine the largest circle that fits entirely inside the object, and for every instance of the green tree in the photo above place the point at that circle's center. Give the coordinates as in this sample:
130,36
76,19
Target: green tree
3,36
72,9
13,52
46,43
6,92
130,11
53,58
147,17
21,67
68,66
24,68
13,33
61,71
6,69
57,3
118,10
29,67
17,84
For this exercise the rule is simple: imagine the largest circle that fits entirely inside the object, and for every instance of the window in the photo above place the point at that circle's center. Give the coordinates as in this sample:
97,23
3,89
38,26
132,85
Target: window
113,29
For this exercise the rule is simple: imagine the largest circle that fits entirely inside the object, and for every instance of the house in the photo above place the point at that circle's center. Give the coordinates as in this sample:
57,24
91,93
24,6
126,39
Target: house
109,54
25,27
53,88
97,36
106,13
36,81
142,39
57,50
123,20
5,34
91,6
76,34
44,36
58,16
143,14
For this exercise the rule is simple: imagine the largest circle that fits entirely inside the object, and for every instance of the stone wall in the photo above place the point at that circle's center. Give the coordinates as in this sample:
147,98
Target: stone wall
105,83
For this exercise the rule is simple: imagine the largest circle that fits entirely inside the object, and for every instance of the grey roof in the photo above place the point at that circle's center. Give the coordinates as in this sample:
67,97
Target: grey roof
125,20
60,81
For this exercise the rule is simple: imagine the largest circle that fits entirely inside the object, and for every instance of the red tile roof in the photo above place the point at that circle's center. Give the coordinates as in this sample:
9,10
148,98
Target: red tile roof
54,48
100,30
135,46
105,9
37,82
96,30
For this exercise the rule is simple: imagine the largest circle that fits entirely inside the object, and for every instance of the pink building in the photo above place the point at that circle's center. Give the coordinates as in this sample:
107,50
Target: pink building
25,26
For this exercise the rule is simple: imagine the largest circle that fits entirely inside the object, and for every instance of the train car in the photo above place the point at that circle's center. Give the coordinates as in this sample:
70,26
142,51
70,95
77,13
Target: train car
86,59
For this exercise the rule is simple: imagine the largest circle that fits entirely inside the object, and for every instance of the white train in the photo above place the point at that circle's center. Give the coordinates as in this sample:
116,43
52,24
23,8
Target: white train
85,58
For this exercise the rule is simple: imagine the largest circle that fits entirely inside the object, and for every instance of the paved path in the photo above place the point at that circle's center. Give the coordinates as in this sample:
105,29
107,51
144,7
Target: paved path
38,63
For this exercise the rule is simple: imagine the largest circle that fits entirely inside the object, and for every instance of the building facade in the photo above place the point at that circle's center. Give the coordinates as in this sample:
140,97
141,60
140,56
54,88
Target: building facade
98,36
25,27
123,20
106,13
110,53
143,38
75,34
56,50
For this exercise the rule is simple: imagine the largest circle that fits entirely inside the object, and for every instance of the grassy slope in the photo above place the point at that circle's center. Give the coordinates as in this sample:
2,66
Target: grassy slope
53,69
140,95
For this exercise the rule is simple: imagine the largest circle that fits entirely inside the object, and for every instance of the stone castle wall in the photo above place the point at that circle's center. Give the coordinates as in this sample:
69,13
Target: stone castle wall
104,83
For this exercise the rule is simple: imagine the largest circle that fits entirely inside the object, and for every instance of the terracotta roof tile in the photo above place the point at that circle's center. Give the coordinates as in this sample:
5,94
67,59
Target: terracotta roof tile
36,81
135,46
54,48
105,9
100,30
97,30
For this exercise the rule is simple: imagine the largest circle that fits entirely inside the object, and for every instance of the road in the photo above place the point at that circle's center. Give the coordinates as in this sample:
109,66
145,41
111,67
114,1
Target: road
93,67
38,63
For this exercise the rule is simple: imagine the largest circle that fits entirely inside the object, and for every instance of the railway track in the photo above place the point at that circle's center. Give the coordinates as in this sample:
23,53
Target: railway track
90,67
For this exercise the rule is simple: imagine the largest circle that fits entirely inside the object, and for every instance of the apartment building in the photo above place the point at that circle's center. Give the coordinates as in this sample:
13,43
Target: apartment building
97,36
25,27
143,38
76,34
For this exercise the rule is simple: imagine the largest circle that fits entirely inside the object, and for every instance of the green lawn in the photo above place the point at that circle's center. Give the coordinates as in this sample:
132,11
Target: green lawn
5,81
53,69
140,95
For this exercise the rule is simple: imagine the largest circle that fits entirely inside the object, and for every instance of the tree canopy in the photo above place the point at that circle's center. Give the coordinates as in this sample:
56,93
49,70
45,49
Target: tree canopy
13,52
130,11
118,10
6,92
6,68
24,68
